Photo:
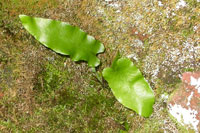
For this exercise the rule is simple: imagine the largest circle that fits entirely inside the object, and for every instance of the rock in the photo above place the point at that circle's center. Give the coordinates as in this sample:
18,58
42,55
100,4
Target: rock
184,103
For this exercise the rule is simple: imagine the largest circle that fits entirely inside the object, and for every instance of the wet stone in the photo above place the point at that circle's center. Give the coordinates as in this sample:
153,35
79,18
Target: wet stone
184,104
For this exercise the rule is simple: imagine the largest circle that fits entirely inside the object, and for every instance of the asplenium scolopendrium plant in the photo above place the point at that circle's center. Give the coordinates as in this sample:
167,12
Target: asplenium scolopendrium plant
126,81
64,39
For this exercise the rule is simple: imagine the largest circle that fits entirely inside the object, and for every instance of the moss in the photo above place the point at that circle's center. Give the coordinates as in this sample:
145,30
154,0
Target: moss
10,11
192,3
79,112
188,31
51,78
150,126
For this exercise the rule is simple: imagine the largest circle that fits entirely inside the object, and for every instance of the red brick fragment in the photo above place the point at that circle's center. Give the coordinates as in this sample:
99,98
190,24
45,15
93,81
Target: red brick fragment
184,104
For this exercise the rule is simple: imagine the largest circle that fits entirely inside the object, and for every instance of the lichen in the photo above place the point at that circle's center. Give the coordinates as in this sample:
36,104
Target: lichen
185,116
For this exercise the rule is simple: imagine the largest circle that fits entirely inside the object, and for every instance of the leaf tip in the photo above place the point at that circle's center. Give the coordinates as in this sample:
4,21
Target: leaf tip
21,16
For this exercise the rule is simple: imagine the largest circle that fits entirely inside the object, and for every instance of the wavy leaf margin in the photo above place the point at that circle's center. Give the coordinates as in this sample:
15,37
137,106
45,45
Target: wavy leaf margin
64,38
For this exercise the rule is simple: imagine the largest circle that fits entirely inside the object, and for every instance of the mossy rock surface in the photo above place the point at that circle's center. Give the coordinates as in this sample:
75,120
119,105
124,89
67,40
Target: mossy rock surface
47,92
